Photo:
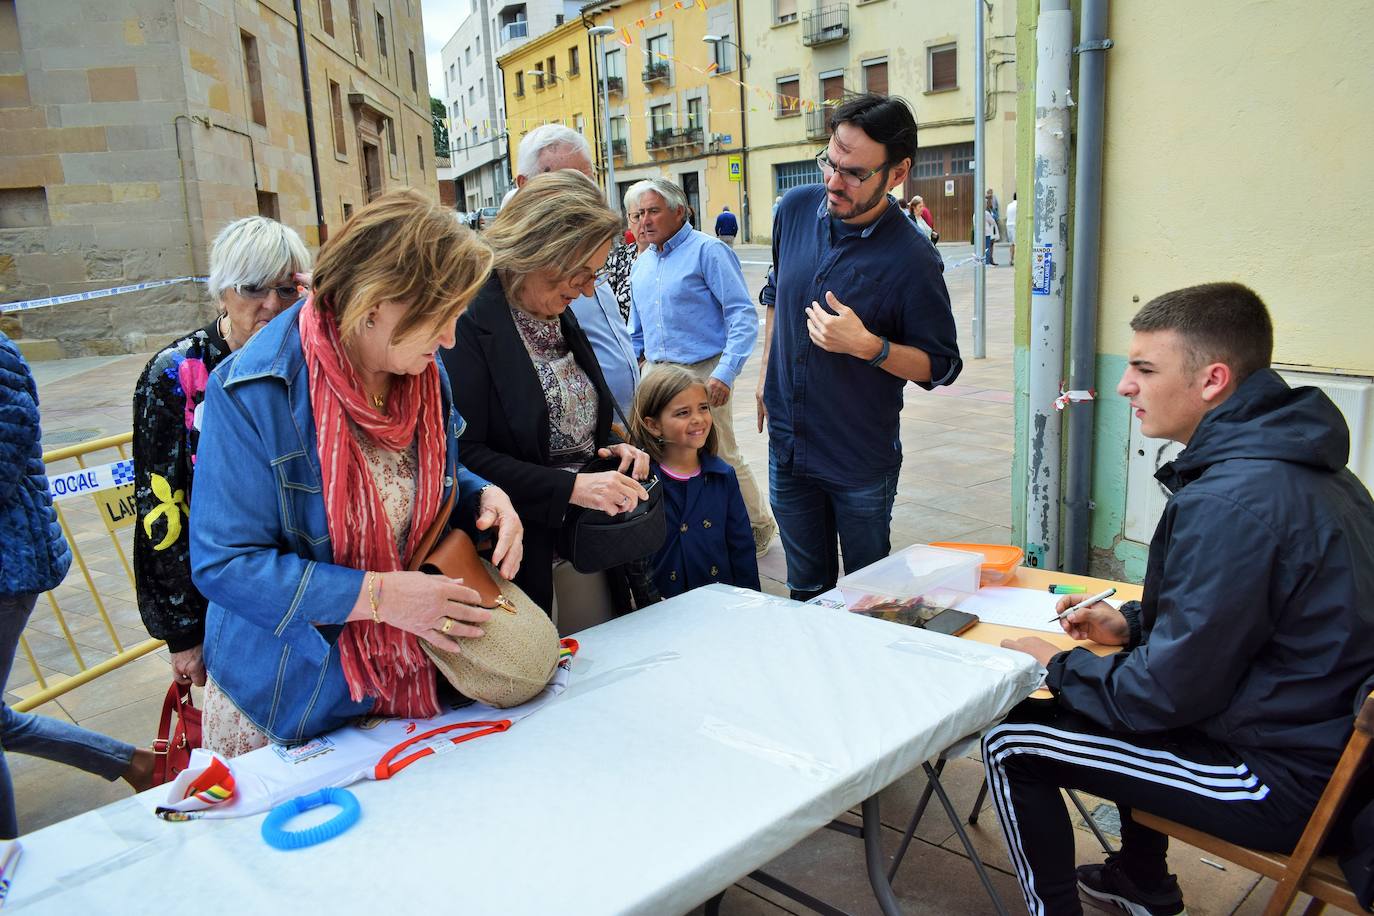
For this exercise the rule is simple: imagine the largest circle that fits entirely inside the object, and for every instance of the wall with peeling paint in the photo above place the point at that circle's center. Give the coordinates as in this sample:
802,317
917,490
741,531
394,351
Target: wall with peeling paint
1238,147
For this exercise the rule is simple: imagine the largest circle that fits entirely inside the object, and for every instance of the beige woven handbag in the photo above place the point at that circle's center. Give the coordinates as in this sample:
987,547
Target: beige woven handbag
518,651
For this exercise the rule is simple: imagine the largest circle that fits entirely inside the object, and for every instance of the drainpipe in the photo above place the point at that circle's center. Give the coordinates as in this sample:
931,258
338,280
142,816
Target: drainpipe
320,226
743,130
1049,253
980,181
1087,225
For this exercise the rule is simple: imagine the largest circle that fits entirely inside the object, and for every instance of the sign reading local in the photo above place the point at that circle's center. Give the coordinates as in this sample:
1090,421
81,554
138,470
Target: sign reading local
91,480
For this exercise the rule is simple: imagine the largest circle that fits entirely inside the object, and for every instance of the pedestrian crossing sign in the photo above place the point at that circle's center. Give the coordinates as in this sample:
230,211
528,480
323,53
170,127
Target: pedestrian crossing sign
736,168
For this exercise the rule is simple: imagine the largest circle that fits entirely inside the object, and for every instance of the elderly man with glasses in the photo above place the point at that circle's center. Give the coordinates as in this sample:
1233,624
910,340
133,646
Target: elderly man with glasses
860,307
692,308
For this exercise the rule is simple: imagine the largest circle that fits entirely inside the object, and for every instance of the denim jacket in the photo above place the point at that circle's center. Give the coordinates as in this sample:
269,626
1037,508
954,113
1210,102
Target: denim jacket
260,548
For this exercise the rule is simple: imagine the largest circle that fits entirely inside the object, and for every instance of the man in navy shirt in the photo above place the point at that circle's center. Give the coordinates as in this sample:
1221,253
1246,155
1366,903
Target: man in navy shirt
857,308
727,227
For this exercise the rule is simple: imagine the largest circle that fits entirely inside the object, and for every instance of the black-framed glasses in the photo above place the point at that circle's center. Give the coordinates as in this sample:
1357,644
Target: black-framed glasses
253,291
851,177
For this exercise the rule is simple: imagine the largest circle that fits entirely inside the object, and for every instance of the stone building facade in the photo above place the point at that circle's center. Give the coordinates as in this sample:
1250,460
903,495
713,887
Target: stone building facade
132,131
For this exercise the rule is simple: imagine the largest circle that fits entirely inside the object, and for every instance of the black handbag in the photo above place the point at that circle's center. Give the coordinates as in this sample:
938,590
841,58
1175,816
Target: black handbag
593,541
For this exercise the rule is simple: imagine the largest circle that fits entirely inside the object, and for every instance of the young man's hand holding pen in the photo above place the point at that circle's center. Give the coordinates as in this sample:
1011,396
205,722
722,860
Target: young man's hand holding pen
1091,618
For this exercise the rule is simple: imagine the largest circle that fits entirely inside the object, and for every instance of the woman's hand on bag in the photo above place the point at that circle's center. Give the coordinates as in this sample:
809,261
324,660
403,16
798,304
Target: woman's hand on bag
497,512
188,666
426,606
632,460
610,491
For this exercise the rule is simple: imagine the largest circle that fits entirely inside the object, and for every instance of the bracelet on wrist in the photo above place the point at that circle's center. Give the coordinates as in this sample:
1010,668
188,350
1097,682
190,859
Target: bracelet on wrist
374,591
881,358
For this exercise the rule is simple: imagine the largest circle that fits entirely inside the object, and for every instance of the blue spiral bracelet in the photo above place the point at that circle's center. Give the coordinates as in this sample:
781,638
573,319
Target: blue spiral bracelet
279,838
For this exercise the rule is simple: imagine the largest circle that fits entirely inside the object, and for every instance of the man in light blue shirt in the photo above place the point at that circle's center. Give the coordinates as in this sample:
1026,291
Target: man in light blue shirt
546,149
599,317
691,307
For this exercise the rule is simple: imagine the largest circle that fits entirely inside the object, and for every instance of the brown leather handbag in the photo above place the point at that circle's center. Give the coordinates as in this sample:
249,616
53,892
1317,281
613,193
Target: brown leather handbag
519,649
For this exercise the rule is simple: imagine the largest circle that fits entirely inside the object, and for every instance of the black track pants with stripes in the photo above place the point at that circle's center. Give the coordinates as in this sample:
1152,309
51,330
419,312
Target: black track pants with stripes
1183,776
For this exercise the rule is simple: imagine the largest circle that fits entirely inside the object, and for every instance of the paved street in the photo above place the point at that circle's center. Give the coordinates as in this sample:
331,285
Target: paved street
955,485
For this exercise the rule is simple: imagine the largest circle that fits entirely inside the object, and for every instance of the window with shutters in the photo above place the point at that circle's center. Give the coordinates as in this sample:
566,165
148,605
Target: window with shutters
327,16
788,97
574,61
875,76
784,11
942,68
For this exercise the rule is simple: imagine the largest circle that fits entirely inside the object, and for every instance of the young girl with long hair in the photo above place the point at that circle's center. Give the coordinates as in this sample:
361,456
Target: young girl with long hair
709,536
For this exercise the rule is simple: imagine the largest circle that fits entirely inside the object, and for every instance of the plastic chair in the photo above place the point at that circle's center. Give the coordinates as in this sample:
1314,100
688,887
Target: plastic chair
1304,871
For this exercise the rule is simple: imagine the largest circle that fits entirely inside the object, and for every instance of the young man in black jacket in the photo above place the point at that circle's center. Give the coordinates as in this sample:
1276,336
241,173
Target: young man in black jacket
1232,698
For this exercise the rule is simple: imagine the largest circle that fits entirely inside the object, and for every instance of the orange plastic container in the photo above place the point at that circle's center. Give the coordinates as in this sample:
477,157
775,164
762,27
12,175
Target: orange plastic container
999,560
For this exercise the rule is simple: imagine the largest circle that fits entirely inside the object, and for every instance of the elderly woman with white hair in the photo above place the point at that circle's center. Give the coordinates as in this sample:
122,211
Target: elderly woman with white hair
256,268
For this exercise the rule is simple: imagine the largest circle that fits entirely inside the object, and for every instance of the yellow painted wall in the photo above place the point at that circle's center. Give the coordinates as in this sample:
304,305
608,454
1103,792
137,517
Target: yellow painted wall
560,102
900,31
1239,146
720,98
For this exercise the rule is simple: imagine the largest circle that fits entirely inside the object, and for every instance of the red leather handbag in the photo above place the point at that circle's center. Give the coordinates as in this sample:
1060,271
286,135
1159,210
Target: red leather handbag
173,747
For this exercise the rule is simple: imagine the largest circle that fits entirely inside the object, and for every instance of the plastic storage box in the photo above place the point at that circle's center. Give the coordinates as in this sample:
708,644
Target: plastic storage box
934,575
999,560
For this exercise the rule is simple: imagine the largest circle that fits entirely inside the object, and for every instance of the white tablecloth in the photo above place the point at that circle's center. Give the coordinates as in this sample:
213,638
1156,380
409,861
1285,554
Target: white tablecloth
699,739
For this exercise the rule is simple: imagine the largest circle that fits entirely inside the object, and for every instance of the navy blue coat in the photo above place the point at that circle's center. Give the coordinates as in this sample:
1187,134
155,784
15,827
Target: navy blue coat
34,556
709,537
1257,624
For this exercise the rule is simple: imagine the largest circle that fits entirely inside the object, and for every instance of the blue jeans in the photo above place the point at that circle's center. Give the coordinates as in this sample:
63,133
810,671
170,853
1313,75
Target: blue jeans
815,517
41,736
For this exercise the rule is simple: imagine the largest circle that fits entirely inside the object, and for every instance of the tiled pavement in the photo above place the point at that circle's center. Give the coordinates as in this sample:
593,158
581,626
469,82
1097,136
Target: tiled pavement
955,485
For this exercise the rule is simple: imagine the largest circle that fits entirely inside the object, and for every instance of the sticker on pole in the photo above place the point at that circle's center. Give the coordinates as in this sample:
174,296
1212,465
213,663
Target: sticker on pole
1042,270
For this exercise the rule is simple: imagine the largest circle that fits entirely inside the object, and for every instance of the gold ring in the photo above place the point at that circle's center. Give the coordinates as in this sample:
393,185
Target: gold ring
448,625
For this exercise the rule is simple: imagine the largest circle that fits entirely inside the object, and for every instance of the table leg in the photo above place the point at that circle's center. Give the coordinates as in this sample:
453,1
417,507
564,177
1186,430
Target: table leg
873,856
915,821
934,776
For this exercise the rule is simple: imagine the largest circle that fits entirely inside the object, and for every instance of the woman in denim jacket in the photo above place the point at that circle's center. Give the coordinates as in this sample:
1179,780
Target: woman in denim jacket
328,448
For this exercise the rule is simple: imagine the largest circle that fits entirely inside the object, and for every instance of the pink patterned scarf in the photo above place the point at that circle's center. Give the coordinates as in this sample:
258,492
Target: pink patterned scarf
379,660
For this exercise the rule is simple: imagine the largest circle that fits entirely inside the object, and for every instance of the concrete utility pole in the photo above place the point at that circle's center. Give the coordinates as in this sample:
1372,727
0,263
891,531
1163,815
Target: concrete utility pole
1049,254
980,179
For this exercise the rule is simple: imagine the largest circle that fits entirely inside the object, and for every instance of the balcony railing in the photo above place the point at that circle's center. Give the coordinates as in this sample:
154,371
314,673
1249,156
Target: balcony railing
668,138
825,24
520,28
818,123
655,72
614,84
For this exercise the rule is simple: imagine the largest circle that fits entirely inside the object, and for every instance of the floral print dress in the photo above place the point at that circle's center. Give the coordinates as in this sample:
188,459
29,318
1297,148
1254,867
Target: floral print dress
167,406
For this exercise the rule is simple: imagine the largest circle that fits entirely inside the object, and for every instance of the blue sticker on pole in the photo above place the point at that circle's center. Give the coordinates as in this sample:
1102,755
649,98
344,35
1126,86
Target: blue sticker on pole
1042,270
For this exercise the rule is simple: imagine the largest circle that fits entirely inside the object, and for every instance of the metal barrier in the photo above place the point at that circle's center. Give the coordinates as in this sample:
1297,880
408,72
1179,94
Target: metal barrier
111,488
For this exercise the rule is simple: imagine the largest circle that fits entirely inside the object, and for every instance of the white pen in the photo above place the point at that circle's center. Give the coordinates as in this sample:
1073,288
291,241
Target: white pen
1084,603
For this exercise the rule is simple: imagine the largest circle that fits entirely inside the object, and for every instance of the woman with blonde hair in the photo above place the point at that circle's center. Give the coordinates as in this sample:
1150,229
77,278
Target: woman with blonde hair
328,450
528,383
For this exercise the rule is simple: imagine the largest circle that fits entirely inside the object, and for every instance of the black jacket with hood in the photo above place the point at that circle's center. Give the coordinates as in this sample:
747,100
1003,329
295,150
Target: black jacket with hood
1257,623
